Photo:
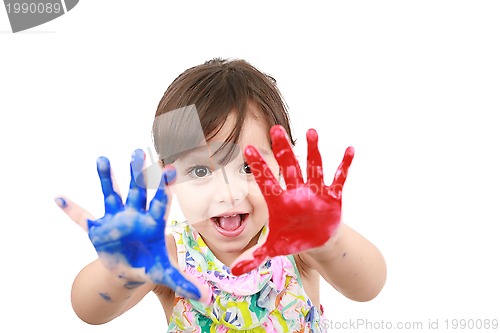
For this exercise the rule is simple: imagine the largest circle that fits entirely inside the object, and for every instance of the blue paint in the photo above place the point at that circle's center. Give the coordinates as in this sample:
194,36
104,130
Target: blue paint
61,202
105,296
133,284
134,234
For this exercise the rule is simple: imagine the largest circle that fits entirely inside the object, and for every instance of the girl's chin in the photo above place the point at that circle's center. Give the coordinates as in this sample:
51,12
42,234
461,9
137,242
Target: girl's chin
228,250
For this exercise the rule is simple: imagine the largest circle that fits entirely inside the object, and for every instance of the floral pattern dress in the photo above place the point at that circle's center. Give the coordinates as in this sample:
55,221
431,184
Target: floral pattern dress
270,298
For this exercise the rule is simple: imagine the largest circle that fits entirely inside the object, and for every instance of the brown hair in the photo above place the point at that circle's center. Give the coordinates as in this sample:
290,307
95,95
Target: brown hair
214,89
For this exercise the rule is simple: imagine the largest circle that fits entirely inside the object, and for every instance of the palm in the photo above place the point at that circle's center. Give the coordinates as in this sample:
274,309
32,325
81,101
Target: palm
135,235
303,216
132,235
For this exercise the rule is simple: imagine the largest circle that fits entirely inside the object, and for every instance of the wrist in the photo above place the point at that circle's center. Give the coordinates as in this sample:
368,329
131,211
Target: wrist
121,276
328,250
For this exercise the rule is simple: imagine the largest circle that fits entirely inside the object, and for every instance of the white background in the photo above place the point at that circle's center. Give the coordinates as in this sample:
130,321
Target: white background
412,85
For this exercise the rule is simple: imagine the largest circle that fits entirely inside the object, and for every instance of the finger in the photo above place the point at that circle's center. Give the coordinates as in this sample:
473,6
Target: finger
112,200
264,177
341,174
75,212
287,161
176,281
158,205
137,195
166,272
314,163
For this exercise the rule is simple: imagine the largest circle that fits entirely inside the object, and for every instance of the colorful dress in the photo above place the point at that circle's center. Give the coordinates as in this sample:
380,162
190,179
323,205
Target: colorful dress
268,299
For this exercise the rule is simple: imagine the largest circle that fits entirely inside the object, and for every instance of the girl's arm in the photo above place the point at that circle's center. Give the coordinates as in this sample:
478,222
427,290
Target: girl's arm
131,246
98,296
350,263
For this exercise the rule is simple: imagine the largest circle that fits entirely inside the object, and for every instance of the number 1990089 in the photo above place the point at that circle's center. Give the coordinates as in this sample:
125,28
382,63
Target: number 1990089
34,8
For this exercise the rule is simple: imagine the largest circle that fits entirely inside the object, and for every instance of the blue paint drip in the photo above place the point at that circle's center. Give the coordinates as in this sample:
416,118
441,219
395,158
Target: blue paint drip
105,296
133,284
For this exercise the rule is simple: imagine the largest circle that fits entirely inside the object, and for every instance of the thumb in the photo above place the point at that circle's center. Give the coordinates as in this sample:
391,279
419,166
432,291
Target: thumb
74,211
250,259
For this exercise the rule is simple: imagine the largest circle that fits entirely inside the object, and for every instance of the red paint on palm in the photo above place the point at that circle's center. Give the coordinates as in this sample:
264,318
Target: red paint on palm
305,214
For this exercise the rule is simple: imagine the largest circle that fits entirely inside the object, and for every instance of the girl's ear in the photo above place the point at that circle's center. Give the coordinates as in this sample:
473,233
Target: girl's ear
160,164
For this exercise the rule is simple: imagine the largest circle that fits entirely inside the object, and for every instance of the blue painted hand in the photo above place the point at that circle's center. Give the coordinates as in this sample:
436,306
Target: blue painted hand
130,238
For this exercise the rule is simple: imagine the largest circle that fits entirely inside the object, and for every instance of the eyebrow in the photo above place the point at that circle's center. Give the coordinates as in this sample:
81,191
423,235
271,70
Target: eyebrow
207,155
261,150
204,154
196,154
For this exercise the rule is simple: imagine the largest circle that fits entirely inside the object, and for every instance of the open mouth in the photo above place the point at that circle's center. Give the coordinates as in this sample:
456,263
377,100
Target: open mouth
230,225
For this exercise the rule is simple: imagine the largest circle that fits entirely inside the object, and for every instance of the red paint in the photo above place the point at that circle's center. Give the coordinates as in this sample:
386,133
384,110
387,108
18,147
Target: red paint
304,215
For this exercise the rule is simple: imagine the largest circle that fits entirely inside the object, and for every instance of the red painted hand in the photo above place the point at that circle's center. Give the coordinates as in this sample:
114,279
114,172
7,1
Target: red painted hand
303,216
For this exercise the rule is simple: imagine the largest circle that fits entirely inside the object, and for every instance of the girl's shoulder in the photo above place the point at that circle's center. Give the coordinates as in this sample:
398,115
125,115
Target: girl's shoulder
171,247
310,279
302,267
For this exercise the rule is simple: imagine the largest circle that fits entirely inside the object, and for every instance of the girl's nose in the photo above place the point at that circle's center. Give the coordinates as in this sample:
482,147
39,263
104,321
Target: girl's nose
230,187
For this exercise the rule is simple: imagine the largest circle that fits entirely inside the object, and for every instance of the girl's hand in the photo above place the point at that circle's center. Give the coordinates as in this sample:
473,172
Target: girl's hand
303,216
130,239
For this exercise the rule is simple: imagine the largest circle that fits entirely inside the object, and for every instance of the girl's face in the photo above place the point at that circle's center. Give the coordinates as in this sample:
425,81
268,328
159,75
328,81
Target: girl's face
222,200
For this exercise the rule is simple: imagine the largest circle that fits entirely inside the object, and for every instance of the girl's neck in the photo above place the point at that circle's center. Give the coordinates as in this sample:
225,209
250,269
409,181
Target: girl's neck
227,258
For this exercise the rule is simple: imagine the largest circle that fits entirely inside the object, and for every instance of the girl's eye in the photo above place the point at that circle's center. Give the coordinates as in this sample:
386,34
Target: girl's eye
246,168
199,171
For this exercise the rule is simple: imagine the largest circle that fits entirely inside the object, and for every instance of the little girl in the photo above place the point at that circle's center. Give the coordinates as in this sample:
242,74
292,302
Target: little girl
257,237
